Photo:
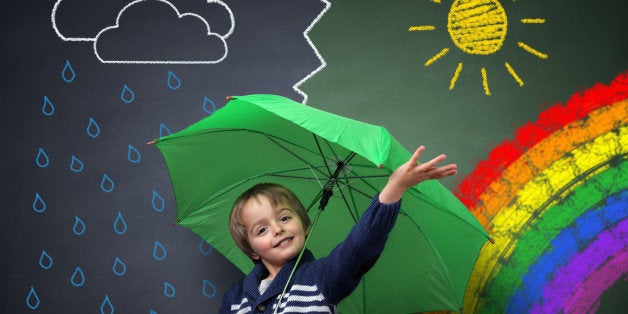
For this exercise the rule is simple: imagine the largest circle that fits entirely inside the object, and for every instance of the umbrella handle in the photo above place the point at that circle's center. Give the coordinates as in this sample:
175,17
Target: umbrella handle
329,189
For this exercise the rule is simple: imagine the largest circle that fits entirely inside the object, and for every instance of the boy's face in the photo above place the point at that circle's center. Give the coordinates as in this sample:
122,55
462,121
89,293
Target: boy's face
275,234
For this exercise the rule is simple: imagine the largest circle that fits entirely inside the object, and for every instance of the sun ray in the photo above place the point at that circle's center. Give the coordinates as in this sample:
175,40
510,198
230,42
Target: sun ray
454,78
532,21
514,74
437,56
532,50
485,83
421,28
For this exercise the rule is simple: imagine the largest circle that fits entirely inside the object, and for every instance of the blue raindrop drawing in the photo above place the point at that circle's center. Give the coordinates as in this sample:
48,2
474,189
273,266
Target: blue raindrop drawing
119,267
208,289
204,247
68,73
169,290
47,108
158,202
79,226
133,155
76,165
42,159
159,251
106,184
106,306
163,130
127,95
78,277
92,129
39,205
153,312
45,260
32,299
119,225
208,105
174,82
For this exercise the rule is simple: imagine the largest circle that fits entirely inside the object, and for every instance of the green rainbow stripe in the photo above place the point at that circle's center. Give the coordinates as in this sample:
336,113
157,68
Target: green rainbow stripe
537,241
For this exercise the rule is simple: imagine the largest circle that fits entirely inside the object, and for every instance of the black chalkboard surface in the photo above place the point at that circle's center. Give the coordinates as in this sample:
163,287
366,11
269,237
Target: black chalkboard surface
88,206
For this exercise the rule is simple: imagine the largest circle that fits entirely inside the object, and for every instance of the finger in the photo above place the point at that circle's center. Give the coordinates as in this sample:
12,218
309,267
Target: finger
417,153
432,164
446,174
443,171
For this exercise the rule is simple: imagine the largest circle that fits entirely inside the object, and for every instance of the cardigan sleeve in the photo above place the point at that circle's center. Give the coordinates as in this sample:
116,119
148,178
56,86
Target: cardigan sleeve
341,271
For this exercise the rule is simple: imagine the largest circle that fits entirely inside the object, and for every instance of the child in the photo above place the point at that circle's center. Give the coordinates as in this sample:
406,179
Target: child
269,224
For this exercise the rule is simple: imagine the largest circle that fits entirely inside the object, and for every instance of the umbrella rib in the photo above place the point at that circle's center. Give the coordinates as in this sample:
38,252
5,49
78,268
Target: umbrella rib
292,177
361,178
320,151
344,198
354,211
272,139
333,151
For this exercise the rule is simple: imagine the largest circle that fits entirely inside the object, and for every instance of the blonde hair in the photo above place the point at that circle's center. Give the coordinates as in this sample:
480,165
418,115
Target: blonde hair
276,194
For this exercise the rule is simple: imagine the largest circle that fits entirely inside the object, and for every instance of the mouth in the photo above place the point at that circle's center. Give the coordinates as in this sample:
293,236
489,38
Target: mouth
284,242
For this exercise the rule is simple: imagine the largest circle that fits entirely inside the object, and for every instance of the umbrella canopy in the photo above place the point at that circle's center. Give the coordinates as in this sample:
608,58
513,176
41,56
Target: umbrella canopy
431,250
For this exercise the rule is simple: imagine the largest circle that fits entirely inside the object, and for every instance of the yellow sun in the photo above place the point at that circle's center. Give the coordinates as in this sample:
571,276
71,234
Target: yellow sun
479,27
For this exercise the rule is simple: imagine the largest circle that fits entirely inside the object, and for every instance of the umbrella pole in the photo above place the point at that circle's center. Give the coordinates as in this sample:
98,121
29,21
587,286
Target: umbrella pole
327,193
307,239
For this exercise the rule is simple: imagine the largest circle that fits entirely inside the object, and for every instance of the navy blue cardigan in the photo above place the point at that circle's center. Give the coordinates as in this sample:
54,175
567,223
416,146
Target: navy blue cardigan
318,285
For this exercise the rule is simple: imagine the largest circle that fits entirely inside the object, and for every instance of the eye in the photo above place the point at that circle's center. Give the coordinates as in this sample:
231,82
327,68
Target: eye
285,218
261,230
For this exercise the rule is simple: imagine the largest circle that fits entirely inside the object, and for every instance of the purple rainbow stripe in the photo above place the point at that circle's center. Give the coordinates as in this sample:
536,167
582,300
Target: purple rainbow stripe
564,245
567,279
586,298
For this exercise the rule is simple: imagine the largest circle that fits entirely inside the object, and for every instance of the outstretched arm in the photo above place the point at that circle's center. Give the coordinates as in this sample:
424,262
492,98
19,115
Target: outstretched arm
412,173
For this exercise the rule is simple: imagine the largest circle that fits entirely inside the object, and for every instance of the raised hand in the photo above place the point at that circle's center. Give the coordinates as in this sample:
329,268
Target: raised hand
412,173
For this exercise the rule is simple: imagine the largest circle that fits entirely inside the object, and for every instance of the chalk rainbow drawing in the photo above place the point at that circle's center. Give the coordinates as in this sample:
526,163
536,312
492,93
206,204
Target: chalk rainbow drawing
479,27
555,201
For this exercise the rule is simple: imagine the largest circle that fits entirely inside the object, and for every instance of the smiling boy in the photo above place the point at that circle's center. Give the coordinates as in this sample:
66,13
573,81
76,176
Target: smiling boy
270,225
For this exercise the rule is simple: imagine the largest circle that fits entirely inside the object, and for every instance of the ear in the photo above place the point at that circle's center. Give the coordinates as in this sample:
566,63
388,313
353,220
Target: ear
255,256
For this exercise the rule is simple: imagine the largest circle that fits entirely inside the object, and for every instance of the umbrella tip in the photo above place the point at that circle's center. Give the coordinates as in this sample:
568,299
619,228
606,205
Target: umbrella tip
229,97
491,240
379,166
151,142
174,222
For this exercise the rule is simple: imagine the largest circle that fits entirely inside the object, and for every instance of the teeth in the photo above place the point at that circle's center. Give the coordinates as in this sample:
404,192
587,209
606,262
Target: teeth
284,242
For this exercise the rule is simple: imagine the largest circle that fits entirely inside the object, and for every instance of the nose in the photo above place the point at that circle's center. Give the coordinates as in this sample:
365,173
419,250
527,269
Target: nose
278,229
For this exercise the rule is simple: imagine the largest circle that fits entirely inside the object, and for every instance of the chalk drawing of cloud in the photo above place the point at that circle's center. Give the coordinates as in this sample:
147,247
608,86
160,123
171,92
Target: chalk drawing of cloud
155,32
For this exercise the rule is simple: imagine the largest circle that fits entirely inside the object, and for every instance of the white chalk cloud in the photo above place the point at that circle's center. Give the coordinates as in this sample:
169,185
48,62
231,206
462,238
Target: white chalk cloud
154,31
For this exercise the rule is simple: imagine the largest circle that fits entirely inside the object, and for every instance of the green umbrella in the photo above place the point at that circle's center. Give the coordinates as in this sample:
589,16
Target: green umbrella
431,250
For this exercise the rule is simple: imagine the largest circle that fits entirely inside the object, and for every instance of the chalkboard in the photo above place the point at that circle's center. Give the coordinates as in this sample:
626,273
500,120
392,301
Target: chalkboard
88,206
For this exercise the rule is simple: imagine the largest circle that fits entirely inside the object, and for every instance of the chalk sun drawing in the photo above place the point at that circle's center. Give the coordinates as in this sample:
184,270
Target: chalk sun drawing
221,37
478,27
